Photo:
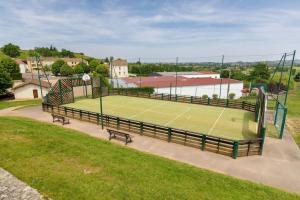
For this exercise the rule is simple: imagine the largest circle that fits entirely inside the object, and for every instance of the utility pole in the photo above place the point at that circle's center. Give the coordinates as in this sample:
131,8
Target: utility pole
38,68
140,72
176,75
228,86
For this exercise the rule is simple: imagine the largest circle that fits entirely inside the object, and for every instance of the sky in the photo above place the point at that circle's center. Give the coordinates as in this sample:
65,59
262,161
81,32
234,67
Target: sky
155,29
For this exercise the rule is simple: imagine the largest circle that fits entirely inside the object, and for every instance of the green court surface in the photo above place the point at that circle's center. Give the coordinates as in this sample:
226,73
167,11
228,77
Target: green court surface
217,121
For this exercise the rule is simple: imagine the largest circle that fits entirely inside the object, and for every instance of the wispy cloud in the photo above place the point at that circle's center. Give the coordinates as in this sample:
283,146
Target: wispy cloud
164,28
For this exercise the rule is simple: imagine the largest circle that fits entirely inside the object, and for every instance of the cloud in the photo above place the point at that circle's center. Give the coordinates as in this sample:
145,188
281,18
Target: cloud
168,28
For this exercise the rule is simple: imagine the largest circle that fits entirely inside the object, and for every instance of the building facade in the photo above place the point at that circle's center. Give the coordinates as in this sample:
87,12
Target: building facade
119,68
185,86
30,90
48,61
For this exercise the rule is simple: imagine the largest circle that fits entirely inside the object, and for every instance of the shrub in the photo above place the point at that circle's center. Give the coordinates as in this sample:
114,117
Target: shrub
231,95
66,70
56,66
11,50
214,96
78,69
205,96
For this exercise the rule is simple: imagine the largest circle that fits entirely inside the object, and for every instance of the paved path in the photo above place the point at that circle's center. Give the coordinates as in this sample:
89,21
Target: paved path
279,166
13,189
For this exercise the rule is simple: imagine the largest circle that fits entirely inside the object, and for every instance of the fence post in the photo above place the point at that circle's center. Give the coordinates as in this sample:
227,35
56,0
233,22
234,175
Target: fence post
283,123
65,111
203,142
263,140
175,97
169,134
235,149
191,99
227,101
60,92
276,112
208,101
118,122
141,128
80,114
98,118
162,96
243,105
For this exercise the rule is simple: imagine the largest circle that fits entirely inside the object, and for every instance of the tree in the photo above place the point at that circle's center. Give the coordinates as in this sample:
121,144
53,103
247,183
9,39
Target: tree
224,74
231,95
67,53
93,64
260,72
78,69
5,81
66,70
102,69
11,50
56,66
9,65
85,67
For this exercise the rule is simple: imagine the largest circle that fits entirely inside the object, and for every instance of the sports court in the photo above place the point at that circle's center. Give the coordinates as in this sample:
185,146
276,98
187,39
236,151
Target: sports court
217,121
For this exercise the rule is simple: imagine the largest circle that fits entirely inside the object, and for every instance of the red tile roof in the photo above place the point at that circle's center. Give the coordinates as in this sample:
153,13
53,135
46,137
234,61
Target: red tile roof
166,81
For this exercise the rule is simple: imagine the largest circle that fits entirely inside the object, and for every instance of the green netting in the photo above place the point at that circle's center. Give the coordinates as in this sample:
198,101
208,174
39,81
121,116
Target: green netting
279,118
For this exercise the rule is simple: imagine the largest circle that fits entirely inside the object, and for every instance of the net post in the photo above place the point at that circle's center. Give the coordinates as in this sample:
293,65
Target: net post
290,74
276,113
101,108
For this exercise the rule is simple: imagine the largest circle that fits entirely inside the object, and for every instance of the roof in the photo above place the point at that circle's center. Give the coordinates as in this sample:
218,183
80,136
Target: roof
33,82
19,61
167,81
185,73
53,59
119,62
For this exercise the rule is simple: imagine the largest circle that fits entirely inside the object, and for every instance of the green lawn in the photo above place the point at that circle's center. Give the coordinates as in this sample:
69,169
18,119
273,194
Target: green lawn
65,164
217,121
13,103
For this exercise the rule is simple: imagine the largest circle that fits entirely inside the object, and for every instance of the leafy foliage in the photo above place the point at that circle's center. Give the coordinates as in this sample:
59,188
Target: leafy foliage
56,66
11,50
9,65
78,69
66,70
231,95
260,71
5,81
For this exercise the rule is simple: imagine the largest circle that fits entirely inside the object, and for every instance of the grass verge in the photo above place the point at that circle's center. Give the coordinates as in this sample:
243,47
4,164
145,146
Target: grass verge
65,164
24,103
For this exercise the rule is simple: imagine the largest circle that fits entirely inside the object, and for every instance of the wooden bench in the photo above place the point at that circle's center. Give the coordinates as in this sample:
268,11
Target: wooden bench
59,118
118,134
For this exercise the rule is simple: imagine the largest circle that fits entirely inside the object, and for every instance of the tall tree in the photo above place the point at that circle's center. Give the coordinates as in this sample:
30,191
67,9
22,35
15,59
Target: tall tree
66,70
260,72
11,50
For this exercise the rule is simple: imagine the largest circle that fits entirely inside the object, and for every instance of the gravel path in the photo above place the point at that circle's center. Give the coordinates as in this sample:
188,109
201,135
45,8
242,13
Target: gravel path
12,188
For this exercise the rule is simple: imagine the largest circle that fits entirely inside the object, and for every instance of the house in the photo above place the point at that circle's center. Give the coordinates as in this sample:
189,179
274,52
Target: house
119,68
22,65
200,74
30,89
185,86
48,61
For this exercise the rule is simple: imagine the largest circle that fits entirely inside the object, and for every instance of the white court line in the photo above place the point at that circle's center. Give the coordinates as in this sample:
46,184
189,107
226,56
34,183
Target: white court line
213,126
179,115
149,109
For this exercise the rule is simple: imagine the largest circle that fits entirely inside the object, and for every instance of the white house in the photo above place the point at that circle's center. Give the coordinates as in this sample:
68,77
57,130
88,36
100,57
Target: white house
30,89
186,86
119,68
22,65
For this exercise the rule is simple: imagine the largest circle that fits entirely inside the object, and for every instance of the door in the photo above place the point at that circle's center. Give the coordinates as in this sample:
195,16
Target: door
35,93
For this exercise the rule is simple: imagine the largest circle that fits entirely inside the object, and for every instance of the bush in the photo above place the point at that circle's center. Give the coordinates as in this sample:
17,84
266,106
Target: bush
205,96
78,69
214,96
5,81
231,95
16,76
9,65
66,70
139,89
